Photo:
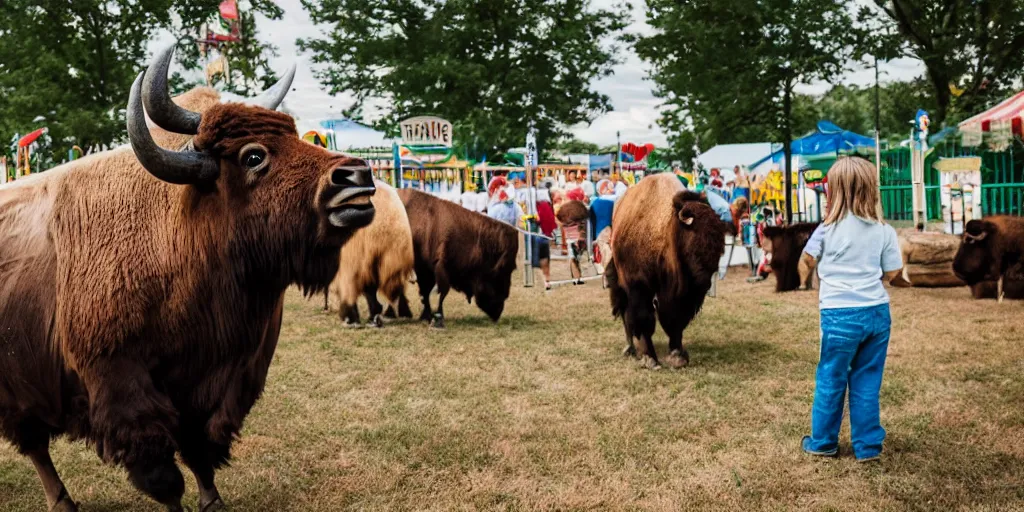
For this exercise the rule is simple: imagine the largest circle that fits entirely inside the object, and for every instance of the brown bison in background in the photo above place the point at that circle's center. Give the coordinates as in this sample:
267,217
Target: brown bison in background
990,255
462,250
666,245
785,245
378,257
142,289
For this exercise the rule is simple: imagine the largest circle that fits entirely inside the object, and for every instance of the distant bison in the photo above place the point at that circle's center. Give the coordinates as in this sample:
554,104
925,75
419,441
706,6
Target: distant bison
459,249
989,249
666,246
378,257
786,244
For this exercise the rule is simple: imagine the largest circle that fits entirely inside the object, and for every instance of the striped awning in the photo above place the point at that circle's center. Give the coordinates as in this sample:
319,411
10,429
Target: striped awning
1007,113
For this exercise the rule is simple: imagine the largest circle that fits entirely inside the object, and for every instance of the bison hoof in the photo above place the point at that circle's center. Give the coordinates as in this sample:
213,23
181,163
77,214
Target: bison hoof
438,323
213,506
348,324
678,359
629,351
650,363
65,505
378,321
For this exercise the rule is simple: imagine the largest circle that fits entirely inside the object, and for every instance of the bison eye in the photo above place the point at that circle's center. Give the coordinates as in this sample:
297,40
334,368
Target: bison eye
253,157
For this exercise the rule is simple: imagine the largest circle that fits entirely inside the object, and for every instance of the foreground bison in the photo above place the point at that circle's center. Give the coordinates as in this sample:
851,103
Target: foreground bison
785,245
141,289
666,245
379,257
462,250
989,249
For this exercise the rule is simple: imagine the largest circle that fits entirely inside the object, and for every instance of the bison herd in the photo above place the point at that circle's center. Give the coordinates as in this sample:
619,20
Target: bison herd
142,289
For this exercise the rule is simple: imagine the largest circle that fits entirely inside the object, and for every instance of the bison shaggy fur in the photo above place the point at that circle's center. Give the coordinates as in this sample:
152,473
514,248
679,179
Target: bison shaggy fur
991,249
458,249
378,258
666,245
786,246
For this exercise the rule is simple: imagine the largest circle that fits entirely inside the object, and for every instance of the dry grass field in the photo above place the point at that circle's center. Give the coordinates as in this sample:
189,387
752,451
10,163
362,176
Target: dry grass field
540,412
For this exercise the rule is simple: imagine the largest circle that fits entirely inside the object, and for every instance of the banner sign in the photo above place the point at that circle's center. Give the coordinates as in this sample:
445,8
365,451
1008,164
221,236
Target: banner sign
426,130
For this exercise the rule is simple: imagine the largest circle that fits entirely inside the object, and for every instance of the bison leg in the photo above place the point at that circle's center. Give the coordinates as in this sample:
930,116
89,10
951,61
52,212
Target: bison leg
425,281
640,316
403,308
630,350
57,497
132,424
674,320
203,468
442,291
376,309
349,314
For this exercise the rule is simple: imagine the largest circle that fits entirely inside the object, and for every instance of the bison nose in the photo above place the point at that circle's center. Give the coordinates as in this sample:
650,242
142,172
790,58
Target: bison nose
351,188
358,175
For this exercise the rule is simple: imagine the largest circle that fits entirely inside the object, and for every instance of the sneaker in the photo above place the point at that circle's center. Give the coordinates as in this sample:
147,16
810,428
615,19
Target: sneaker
806,441
869,460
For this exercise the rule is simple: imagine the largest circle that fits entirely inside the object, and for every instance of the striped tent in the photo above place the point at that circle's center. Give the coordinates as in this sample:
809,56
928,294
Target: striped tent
1004,118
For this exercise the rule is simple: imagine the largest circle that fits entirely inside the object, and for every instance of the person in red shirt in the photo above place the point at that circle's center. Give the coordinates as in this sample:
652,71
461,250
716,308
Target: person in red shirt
541,253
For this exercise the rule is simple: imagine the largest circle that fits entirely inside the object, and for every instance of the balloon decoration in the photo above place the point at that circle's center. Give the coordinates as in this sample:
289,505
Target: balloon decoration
315,138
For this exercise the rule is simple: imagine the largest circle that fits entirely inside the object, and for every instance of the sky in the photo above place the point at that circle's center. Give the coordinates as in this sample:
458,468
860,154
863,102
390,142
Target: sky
634,108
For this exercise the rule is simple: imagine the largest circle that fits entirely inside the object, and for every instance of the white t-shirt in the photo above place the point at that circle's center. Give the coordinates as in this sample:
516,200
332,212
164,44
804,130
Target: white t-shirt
588,189
852,255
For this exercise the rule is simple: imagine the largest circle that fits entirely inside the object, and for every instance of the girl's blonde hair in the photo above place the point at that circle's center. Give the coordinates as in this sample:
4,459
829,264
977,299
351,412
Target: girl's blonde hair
853,188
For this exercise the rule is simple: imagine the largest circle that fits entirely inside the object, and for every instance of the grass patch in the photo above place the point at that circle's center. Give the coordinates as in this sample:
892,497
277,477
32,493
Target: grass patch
541,412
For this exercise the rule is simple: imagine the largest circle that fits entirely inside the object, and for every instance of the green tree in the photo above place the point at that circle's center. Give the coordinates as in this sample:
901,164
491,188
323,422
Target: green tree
974,46
72,63
572,145
248,59
853,108
729,68
490,68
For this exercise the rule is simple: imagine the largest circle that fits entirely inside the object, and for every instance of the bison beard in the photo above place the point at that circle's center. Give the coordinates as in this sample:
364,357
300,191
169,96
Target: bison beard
459,249
667,246
141,315
786,245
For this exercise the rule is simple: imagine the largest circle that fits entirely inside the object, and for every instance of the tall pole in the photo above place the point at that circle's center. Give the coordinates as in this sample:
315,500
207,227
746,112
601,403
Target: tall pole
787,152
878,129
618,152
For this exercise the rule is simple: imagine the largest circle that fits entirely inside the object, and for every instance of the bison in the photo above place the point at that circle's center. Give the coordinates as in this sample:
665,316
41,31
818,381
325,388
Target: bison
786,244
990,248
142,289
459,249
666,246
378,257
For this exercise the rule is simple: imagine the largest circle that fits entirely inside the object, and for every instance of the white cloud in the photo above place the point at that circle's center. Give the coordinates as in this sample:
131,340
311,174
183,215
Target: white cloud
634,108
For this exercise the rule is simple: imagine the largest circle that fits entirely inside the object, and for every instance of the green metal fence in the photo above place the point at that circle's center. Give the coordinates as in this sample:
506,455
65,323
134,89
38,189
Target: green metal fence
1002,176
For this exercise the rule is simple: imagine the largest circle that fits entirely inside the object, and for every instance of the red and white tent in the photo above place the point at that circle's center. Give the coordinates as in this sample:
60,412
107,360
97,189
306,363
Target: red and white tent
1006,117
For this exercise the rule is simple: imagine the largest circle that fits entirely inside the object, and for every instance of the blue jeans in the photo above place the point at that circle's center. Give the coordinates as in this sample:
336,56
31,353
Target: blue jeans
853,346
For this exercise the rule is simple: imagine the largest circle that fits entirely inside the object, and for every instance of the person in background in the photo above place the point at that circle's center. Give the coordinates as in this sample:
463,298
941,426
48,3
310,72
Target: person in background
856,251
605,187
620,186
587,186
570,181
740,210
541,253
503,207
719,204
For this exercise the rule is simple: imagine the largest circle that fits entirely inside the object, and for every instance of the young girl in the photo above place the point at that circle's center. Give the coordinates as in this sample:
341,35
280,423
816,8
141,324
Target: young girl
855,251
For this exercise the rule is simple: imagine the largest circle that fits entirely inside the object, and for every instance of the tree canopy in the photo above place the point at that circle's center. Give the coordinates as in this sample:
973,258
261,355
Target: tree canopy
490,68
727,69
973,50
72,63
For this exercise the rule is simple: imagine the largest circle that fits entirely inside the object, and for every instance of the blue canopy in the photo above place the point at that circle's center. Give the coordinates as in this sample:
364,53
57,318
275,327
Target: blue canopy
827,138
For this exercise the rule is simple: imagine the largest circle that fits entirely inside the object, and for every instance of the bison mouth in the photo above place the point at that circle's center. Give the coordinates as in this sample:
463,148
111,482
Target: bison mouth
351,207
348,197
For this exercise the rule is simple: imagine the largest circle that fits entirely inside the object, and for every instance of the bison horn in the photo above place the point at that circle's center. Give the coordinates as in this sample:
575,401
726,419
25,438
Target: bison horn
180,168
164,112
272,97
684,219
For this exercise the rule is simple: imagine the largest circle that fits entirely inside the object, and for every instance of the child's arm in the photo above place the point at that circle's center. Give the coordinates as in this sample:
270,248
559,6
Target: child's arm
892,258
815,246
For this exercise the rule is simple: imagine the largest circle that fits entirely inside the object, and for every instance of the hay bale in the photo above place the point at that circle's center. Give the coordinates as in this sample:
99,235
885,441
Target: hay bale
928,248
928,259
